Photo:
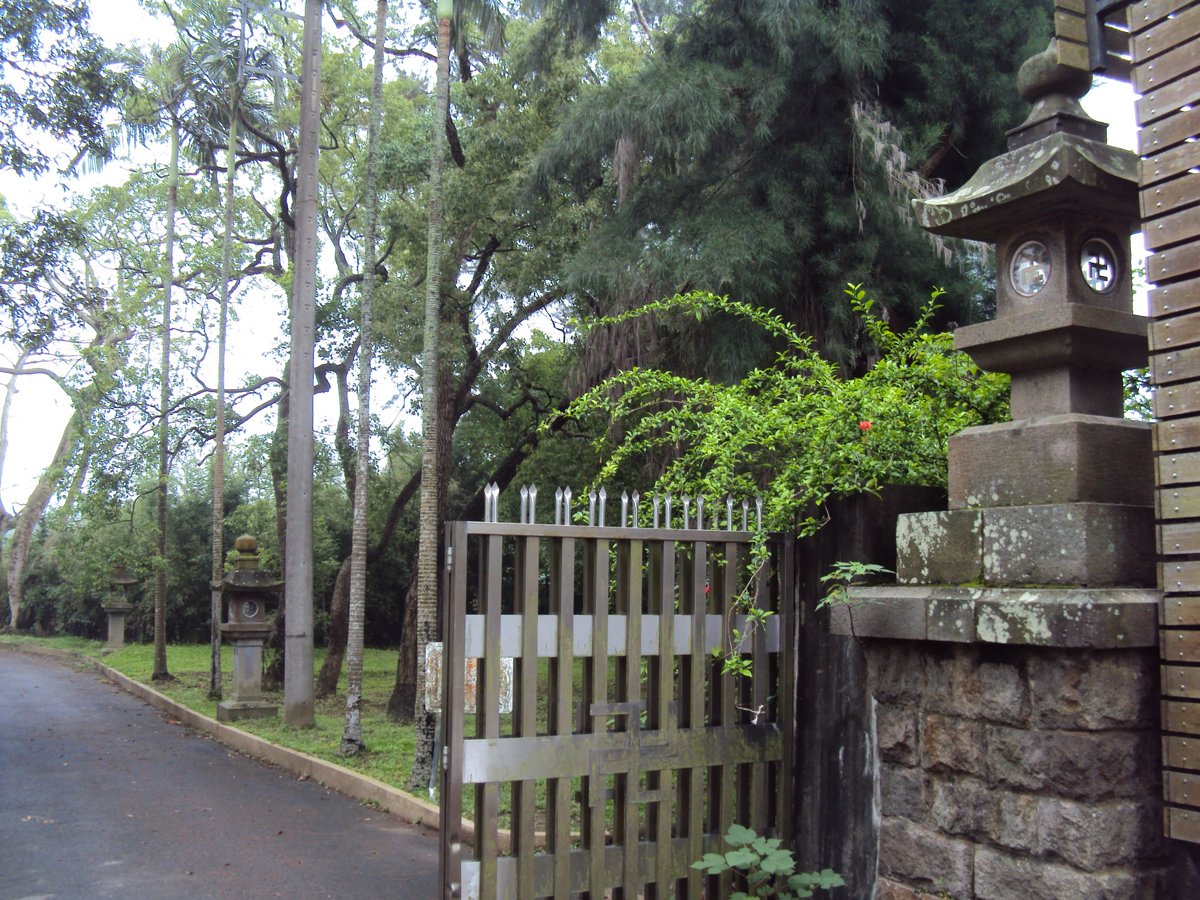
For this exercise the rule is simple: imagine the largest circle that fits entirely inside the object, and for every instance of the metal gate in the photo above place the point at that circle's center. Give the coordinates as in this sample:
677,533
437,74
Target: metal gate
627,754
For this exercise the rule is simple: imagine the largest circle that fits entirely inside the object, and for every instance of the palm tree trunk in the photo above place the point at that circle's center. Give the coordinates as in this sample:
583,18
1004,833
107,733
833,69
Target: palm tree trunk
427,551
218,462
160,672
352,742
298,700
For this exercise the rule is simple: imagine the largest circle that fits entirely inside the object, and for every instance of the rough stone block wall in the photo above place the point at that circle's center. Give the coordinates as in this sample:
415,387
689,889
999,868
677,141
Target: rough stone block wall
1020,772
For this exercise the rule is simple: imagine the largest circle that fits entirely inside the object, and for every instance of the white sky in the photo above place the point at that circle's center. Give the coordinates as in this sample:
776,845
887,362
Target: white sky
40,410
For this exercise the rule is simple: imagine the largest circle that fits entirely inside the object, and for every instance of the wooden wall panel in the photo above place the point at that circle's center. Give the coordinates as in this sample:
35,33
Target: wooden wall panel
1070,27
1165,50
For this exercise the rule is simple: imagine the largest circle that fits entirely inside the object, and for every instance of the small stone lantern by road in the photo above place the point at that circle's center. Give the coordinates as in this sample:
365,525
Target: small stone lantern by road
246,591
117,606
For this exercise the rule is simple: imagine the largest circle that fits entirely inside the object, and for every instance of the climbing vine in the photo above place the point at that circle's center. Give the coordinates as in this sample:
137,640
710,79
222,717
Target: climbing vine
797,431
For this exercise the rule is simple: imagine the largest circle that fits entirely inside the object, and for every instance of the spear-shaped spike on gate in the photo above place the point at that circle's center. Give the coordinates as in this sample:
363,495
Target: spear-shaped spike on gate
667,510
654,498
603,495
533,504
687,510
558,495
700,511
758,503
591,507
624,507
524,505
729,507
566,506
495,502
745,515
636,498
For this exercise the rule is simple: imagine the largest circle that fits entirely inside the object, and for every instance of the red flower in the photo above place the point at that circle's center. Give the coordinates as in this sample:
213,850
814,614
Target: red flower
864,425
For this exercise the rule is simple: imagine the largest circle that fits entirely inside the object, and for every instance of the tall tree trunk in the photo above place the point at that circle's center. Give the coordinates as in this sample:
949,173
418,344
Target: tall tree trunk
352,742
160,672
298,709
427,551
402,703
339,625
273,673
218,462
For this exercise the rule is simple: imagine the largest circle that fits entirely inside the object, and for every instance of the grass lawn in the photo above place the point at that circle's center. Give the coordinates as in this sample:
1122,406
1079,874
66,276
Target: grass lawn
390,747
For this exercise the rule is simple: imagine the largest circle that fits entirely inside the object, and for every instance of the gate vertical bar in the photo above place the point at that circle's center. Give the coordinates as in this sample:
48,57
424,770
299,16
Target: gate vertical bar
626,806
453,627
786,680
487,716
595,692
723,698
662,719
758,798
562,670
692,780
526,677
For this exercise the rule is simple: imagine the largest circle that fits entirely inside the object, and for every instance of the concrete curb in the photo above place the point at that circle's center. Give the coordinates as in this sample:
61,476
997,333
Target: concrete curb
338,778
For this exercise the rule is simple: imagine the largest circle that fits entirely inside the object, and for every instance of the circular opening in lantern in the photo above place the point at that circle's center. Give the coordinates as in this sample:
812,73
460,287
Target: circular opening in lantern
1030,268
1098,263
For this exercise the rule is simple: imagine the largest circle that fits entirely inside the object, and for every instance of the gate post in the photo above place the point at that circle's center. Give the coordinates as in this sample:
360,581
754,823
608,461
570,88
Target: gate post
1013,664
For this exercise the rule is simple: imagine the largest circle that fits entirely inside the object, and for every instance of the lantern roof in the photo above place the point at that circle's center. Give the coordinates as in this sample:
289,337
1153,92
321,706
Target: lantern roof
1058,173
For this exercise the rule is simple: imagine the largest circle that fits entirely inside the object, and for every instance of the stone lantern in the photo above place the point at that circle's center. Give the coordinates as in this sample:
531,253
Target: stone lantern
1062,494
245,592
117,606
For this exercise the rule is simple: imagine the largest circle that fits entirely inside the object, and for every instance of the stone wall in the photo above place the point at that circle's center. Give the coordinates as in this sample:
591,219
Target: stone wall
1017,771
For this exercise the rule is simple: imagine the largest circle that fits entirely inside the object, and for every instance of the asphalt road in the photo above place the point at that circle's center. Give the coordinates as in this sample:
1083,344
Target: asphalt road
103,796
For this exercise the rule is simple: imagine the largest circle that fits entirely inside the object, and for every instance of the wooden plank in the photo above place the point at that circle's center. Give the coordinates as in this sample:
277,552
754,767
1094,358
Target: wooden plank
1181,681
1176,63
1172,229
1182,788
562,667
1179,645
1169,163
1182,824
1180,611
1073,55
1177,539
1170,195
1166,35
1169,132
1183,717
1070,25
1150,12
1181,752
1178,468
1179,297
1177,400
1168,99
524,802
1180,576
1181,434
1176,365
1176,263
1078,7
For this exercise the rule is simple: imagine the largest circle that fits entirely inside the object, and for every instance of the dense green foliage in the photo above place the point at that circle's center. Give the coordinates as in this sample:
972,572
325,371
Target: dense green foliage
57,81
797,431
603,156
768,868
774,145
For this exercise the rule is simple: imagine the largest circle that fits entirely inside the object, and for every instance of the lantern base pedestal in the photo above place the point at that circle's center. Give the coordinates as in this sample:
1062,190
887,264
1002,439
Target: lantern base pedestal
233,710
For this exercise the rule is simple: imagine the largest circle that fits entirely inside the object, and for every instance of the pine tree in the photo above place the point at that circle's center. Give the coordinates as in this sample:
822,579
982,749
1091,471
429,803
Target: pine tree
756,176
